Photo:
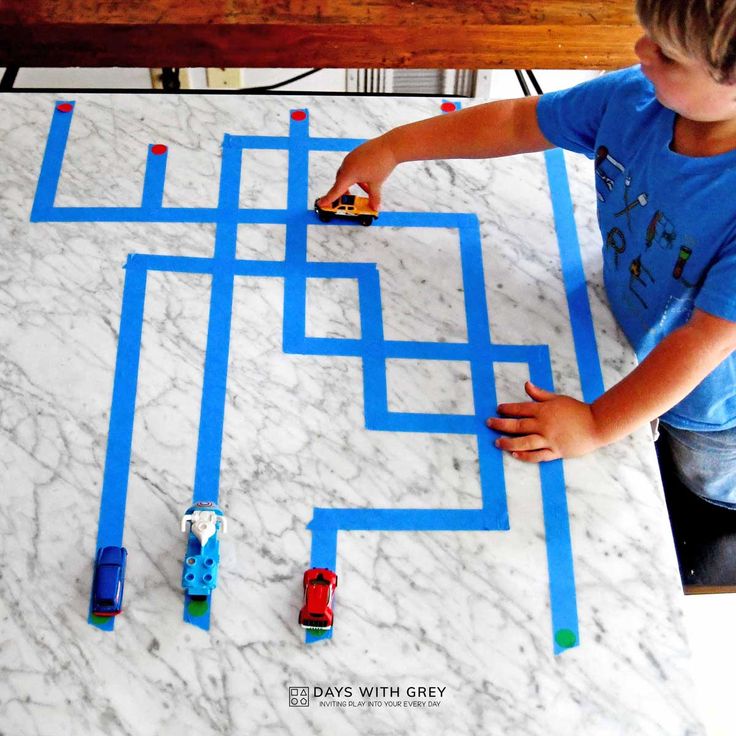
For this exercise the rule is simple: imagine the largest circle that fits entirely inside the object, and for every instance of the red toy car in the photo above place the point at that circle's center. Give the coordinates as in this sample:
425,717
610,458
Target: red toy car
319,589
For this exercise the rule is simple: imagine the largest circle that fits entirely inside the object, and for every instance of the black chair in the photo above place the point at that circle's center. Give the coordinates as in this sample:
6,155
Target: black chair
704,534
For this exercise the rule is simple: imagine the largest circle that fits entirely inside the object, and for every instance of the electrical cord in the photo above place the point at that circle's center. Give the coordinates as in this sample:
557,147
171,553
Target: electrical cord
269,87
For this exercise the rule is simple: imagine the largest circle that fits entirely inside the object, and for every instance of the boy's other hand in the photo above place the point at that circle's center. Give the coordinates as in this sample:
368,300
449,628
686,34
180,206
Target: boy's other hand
369,165
550,427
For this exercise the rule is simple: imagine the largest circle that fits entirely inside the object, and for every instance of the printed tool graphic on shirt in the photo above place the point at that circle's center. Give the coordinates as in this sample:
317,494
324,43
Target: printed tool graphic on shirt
660,230
203,521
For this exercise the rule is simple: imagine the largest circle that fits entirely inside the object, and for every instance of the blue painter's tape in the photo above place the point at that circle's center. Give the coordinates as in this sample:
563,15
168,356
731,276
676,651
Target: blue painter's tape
53,158
493,485
573,274
324,545
391,421
295,285
408,520
214,384
122,413
127,214
563,599
153,181
448,220
177,264
371,348
324,554
256,142
340,270
335,144
337,346
427,350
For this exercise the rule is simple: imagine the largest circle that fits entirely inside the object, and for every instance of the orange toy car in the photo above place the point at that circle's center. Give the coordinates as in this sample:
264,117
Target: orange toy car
349,206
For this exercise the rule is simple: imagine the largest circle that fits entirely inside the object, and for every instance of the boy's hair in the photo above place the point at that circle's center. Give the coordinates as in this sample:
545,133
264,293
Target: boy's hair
705,29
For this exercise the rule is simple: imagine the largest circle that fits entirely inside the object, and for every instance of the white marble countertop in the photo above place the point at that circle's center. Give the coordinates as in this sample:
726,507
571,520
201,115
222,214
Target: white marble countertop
465,612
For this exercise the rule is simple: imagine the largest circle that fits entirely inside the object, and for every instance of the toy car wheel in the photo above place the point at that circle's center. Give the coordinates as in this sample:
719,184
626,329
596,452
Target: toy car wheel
365,220
325,216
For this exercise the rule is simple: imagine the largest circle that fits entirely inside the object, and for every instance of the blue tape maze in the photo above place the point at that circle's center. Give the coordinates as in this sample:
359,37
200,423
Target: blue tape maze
372,348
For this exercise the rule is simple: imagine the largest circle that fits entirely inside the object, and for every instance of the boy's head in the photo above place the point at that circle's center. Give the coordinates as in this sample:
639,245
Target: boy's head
689,54
702,29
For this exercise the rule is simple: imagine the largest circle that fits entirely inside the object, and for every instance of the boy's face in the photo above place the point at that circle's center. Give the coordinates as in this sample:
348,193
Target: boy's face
684,84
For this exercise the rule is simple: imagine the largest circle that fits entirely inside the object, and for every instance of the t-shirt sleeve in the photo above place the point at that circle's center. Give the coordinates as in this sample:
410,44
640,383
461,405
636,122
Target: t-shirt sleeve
570,118
717,295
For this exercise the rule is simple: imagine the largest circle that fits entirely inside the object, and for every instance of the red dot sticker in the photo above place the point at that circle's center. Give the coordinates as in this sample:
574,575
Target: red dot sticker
64,107
298,115
448,107
158,149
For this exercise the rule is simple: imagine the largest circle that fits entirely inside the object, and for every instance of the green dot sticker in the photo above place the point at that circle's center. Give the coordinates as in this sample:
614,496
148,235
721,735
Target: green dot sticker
99,619
566,638
198,608
318,632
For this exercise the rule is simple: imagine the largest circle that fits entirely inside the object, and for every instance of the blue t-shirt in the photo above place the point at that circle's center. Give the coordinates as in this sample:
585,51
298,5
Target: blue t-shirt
668,223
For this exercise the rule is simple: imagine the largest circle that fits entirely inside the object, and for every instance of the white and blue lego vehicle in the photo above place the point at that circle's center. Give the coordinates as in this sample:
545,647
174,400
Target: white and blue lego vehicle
203,521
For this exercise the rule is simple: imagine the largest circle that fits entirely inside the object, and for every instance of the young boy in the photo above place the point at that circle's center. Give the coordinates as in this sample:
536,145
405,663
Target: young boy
663,136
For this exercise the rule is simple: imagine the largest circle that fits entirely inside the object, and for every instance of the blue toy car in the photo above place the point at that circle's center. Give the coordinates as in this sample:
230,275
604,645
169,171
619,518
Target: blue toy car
109,581
202,521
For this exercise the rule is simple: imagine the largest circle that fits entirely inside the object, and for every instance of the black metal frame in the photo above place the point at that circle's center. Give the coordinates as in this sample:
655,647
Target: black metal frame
524,86
171,83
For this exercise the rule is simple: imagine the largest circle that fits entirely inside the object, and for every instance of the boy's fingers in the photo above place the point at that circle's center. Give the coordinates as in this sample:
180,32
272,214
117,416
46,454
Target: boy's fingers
536,456
374,194
522,444
512,426
341,185
524,409
374,198
537,393
331,196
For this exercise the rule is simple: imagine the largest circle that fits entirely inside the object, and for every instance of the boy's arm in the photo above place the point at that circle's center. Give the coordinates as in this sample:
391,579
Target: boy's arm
555,426
493,129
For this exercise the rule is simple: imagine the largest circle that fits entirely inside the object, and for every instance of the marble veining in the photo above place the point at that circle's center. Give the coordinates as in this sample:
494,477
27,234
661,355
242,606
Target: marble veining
466,611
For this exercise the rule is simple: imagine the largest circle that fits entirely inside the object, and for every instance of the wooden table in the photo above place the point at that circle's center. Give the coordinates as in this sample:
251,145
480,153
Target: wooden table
505,34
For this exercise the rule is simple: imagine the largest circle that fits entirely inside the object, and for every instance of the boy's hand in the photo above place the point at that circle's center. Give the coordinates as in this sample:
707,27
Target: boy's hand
550,427
369,165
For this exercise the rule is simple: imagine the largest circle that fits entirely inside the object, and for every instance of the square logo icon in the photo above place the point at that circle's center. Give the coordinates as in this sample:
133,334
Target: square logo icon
298,697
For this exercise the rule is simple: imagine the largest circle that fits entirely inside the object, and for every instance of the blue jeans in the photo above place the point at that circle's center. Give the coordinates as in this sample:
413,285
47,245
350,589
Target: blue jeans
705,462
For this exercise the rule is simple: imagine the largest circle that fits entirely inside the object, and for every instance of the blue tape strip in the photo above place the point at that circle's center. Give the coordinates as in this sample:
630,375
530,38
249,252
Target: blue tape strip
372,348
295,285
214,383
120,434
53,159
261,143
153,181
335,144
409,520
324,554
481,365
563,599
573,274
